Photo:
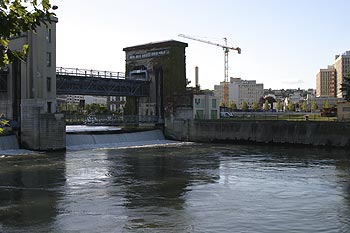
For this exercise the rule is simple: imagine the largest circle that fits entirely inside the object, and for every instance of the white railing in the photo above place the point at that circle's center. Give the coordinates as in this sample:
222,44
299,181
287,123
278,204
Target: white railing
89,73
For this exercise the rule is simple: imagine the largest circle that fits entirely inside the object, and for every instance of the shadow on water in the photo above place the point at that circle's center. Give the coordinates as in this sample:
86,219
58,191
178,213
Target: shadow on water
162,177
30,188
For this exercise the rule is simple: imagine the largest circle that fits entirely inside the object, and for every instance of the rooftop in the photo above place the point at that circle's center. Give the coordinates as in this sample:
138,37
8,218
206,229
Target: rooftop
161,44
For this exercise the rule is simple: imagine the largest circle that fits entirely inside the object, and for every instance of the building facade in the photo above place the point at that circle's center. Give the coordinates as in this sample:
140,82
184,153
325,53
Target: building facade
32,82
245,91
116,103
326,82
163,64
342,67
206,106
30,93
219,92
343,111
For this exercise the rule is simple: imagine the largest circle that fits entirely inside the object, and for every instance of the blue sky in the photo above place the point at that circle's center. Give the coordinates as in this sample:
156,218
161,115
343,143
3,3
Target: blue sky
284,43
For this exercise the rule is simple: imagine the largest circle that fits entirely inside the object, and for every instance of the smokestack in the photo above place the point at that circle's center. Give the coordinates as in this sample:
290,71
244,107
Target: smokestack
196,77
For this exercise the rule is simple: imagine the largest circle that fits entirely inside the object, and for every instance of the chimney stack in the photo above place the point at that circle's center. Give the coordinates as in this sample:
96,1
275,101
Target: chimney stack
196,77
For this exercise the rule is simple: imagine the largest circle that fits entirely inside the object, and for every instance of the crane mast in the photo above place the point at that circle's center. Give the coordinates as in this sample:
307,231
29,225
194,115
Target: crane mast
226,51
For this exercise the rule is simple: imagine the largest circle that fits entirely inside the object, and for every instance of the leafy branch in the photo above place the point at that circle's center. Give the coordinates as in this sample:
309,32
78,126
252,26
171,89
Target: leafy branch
16,17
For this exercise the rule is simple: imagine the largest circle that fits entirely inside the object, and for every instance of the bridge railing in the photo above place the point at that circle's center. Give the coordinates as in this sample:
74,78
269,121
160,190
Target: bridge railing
89,73
108,119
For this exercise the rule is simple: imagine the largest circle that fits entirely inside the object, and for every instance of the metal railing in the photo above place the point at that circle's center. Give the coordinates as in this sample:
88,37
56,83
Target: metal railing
89,73
256,116
107,119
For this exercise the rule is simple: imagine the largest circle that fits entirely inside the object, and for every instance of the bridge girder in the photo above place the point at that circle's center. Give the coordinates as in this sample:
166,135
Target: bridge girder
81,85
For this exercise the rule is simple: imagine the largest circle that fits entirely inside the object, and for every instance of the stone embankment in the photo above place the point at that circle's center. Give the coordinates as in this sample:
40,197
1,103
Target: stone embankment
336,134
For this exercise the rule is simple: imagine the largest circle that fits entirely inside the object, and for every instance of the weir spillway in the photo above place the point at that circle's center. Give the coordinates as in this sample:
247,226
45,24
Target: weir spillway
114,140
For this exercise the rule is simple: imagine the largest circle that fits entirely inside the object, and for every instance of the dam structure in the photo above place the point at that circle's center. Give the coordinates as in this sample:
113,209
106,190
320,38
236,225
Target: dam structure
91,140
155,72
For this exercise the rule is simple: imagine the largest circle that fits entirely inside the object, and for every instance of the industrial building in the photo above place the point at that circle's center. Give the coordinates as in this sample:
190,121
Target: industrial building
163,64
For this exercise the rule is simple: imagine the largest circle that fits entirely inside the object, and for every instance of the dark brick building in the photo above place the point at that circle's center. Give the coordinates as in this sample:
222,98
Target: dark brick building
163,64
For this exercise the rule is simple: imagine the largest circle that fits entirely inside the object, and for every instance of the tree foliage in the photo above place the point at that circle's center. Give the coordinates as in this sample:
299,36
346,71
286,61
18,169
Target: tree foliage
233,105
244,106
304,106
278,105
222,104
326,104
16,17
255,106
266,105
3,123
345,87
291,106
313,106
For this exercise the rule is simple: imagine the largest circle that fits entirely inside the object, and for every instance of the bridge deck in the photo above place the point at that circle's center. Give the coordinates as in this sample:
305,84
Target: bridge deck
72,81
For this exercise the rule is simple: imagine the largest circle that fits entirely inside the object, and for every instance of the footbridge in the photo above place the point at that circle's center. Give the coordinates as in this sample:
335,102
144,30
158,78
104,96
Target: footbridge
74,81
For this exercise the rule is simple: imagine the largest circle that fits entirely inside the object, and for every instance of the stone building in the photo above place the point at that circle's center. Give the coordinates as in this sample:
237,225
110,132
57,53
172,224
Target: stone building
29,93
163,65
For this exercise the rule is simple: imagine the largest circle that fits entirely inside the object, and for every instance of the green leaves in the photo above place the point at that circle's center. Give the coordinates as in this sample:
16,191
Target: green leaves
19,16
345,87
3,123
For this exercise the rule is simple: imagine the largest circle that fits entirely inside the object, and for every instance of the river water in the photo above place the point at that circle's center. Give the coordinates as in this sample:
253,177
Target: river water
177,188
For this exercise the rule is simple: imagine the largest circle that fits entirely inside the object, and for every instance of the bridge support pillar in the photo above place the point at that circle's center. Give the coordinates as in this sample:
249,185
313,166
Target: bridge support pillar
41,130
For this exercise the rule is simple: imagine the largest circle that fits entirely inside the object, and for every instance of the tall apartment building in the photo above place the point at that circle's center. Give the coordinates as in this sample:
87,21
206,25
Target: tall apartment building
219,92
245,90
326,82
342,67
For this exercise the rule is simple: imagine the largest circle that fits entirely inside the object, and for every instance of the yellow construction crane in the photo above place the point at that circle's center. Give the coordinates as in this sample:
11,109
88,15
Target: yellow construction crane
226,50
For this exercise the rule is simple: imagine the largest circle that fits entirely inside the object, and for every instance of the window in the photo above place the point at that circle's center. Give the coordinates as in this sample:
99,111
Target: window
48,84
48,35
49,107
199,114
48,59
214,114
3,82
213,103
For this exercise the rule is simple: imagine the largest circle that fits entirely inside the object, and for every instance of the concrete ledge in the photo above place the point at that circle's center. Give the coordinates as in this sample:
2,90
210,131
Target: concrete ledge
333,134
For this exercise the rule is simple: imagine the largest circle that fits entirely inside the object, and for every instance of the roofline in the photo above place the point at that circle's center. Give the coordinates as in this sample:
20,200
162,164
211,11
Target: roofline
156,44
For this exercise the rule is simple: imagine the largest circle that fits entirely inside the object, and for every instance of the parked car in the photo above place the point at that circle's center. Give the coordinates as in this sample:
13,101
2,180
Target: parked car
226,115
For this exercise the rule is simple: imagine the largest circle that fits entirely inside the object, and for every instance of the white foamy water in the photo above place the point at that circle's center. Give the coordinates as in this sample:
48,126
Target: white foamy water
137,139
86,128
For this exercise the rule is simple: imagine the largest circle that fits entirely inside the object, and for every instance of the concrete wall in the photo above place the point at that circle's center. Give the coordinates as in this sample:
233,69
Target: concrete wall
304,133
343,111
40,130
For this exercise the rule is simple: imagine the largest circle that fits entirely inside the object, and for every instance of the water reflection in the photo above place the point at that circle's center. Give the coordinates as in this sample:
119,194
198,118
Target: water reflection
197,188
156,181
30,189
